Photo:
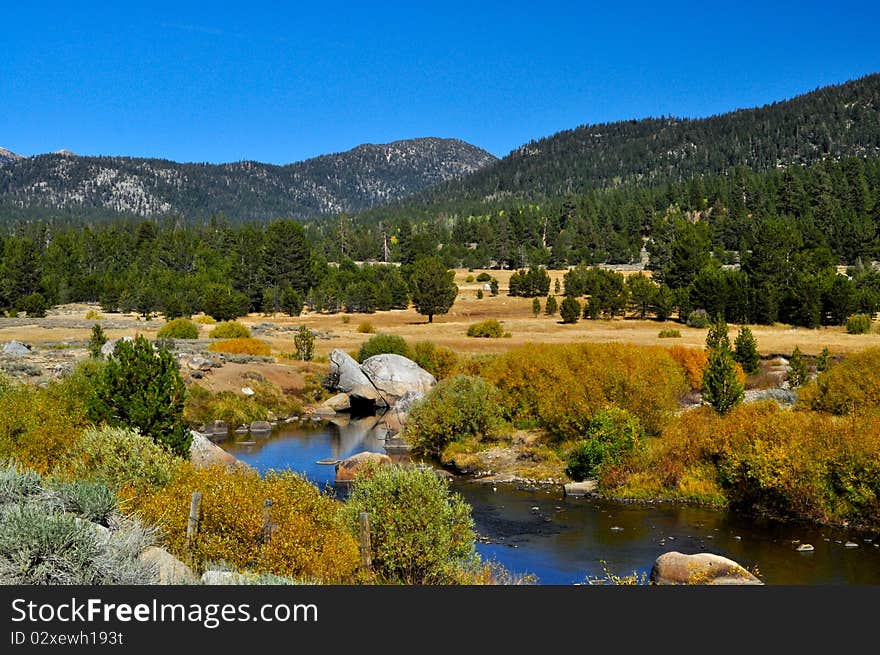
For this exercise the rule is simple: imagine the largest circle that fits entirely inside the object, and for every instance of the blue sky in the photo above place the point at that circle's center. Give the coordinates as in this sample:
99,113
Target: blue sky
286,81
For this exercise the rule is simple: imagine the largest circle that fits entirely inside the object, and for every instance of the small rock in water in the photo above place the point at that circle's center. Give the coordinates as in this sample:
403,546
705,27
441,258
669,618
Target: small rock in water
795,541
671,538
805,548
536,508
737,537
616,528
850,544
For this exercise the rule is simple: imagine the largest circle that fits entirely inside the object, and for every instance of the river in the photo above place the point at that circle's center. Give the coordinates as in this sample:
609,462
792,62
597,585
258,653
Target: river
570,540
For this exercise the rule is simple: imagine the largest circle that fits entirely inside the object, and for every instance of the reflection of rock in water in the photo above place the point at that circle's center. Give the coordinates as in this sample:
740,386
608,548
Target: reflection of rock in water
357,435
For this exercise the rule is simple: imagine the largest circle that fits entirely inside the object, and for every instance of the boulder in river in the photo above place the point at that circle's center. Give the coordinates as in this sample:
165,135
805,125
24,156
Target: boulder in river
674,568
348,469
347,377
395,376
338,403
204,453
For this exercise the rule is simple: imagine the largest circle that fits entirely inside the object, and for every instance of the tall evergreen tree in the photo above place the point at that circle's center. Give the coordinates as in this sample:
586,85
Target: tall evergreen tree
433,287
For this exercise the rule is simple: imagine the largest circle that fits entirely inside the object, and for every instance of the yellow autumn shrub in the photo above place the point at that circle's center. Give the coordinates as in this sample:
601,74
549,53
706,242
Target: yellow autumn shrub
758,456
561,387
243,346
306,538
853,384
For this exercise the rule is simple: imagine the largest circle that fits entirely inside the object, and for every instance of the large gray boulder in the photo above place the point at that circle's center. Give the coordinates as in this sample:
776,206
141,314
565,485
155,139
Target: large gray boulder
16,349
674,568
346,376
395,376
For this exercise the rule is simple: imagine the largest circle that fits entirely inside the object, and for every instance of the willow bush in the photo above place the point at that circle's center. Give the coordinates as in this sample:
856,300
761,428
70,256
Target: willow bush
561,387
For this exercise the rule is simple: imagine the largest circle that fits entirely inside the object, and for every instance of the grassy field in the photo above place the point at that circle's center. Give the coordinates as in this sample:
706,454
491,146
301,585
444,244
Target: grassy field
449,329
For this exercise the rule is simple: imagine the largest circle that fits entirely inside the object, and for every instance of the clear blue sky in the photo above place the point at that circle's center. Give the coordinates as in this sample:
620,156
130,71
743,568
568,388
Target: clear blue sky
279,83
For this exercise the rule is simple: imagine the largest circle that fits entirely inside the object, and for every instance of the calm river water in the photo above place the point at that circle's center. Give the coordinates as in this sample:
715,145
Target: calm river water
565,541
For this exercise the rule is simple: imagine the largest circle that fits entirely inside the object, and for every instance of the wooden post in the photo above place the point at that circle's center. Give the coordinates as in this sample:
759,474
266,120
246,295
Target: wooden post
267,519
195,510
366,555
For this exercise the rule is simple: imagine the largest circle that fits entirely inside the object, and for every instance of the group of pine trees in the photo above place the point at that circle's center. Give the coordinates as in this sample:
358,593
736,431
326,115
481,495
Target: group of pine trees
223,270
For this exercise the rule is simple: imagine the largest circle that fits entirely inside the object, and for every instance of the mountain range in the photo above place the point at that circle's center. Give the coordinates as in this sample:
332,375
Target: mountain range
68,185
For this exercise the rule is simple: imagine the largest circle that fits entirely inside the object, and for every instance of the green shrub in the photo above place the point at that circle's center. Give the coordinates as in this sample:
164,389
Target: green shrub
858,324
479,294
469,279
117,458
439,362
491,329
570,310
381,344
93,501
18,485
141,388
230,330
484,277
611,434
421,532
551,306
39,546
366,328
698,318
291,301
35,305
461,407
179,328
669,334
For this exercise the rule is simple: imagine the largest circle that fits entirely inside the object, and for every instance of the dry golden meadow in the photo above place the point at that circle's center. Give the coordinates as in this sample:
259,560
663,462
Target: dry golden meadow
449,330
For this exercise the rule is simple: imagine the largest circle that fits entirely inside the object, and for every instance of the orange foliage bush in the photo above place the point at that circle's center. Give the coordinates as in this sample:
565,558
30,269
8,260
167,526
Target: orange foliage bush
562,386
243,346
693,361
307,540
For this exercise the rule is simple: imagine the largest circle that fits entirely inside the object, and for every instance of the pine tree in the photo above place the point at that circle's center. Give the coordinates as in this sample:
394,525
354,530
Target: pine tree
433,287
97,340
536,307
142,388
797,372
717,336
551,306
824,360
746,351
721,386
570,311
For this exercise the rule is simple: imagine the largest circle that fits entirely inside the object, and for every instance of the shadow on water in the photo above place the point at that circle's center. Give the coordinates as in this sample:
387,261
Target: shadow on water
565,541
